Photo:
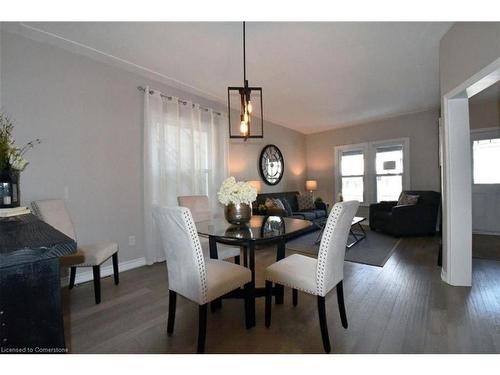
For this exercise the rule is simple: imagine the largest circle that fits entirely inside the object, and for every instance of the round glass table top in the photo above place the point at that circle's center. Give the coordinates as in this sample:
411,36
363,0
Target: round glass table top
259,228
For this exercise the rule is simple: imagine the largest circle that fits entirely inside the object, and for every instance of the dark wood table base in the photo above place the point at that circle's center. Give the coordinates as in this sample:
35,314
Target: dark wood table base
249,258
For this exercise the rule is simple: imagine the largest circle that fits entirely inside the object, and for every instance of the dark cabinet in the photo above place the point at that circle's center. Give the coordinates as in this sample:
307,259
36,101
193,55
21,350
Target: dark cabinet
30,293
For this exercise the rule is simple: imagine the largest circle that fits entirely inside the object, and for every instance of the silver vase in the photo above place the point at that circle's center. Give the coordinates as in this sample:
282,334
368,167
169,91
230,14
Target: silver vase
238,213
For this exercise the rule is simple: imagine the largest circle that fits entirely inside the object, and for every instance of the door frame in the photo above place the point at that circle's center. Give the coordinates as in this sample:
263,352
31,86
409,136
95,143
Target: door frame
457,176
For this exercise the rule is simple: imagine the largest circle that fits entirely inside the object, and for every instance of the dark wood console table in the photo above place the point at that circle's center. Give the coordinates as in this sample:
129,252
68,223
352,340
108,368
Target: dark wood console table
30,292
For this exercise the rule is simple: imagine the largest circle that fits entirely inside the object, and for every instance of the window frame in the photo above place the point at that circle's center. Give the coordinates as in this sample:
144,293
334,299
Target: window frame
339,150
370,173
479,135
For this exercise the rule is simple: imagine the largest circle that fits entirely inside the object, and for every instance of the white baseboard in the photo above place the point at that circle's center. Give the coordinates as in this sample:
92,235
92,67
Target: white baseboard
444,276
486,232
83,277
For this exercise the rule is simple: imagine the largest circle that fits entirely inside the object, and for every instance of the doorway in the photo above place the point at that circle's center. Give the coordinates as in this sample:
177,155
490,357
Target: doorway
457,176
484,120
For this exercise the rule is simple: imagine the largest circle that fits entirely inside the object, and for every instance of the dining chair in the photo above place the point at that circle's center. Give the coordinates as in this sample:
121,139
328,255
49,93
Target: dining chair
193,276
200,210
317,276
54,213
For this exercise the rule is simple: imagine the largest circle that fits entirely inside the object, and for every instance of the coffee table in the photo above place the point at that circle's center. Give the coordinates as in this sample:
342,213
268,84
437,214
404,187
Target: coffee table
358,235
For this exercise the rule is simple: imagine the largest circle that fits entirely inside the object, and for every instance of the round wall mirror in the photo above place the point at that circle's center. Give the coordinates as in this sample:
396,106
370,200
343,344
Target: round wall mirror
271,164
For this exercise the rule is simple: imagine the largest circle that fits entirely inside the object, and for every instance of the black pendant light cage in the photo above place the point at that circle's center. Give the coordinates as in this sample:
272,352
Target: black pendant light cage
249,100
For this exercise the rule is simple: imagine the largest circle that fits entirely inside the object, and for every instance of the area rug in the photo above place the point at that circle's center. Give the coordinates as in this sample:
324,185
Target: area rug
374,250
486,246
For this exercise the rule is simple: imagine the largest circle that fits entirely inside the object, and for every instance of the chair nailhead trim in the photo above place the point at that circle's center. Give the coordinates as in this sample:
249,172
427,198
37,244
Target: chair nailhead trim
200,261
325,246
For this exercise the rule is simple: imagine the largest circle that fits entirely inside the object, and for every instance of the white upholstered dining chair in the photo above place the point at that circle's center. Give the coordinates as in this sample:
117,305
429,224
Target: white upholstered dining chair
317,276
200,210
54,213
190,274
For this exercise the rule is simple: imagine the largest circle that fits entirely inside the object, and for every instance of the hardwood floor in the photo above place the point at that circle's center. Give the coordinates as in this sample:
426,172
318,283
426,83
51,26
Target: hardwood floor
403,307
486,246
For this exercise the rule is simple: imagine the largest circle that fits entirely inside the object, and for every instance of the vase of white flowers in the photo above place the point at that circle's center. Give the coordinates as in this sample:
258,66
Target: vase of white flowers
12,163
237,197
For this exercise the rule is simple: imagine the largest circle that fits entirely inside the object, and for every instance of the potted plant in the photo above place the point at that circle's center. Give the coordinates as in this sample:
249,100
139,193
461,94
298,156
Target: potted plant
12,163
237,197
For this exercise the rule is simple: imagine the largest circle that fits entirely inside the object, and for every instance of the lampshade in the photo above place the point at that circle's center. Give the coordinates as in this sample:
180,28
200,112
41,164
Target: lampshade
311,185
256,184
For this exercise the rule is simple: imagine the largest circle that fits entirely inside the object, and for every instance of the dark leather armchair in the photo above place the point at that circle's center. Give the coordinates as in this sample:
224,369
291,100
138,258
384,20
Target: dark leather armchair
407,220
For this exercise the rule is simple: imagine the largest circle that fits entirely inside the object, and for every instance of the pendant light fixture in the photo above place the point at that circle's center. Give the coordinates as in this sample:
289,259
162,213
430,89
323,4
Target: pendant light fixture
250,122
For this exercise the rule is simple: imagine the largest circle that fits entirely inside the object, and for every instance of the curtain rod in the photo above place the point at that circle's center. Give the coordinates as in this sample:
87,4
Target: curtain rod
185,102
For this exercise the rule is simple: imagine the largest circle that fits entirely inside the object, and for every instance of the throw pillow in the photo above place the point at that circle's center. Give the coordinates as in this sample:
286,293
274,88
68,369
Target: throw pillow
269,203
288,207
274,203
278,204
305,202
407,199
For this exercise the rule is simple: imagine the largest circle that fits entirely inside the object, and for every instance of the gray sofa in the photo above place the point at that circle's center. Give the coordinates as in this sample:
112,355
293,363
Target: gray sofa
316,214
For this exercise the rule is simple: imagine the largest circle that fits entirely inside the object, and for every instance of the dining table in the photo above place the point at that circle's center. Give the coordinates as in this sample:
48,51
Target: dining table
261,232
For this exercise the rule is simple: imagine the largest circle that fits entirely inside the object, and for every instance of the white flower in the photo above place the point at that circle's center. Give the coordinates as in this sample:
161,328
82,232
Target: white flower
17,162
236,192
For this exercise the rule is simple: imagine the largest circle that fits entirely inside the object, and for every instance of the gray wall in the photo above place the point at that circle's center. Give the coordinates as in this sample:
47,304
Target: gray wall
484,108
244,158
465,49
89,117
421,128
0,66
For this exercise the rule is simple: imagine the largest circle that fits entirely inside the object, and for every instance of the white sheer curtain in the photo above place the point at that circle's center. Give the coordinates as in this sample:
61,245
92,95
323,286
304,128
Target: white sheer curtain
185,153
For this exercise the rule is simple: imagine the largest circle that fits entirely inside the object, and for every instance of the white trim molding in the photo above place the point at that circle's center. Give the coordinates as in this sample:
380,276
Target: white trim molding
83,277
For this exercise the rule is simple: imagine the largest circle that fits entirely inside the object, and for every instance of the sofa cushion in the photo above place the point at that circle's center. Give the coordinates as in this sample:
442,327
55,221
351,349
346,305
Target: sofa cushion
307,215
305,202
320,213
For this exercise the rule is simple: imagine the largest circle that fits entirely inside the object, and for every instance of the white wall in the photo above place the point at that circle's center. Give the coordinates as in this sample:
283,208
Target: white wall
89,115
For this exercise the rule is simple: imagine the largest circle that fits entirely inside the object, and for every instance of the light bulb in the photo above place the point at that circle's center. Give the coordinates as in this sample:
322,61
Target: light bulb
249,106
243,127
245,117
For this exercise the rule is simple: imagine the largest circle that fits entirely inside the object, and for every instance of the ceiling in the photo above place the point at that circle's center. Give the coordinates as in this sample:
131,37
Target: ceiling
315,76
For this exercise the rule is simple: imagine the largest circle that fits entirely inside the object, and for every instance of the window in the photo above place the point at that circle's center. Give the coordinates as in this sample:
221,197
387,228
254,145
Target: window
389,172
374,171
485,152
352,172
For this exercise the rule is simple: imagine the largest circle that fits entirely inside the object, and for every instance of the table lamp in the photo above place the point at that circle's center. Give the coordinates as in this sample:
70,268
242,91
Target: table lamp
311,185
